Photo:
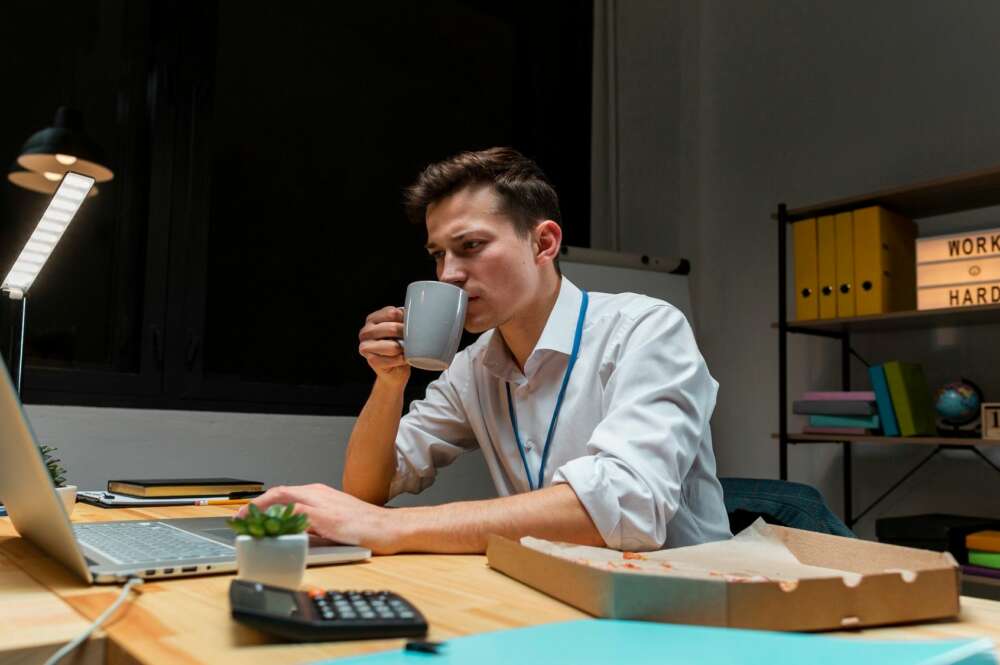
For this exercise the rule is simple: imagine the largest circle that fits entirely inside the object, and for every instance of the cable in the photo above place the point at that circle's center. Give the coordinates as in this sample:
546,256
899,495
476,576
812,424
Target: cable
58,655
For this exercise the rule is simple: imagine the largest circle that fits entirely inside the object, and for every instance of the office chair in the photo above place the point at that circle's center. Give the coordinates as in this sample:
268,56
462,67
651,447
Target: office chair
779,502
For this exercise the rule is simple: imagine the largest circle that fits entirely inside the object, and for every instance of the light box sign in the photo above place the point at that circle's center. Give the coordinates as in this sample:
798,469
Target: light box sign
959,270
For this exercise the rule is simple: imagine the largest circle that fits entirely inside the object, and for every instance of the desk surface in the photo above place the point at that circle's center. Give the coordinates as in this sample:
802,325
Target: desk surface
186,620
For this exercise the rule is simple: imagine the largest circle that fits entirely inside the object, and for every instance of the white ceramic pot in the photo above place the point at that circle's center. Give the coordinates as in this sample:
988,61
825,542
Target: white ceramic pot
277,561
68,496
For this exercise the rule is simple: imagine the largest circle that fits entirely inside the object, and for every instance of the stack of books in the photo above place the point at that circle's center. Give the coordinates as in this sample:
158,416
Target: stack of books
839,412
904,399
172,492
984,553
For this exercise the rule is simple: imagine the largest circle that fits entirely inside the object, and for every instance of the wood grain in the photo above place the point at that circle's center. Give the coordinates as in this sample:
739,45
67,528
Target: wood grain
186,621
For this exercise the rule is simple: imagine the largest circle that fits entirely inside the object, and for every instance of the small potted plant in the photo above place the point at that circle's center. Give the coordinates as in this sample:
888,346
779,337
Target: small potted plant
271,545
58,474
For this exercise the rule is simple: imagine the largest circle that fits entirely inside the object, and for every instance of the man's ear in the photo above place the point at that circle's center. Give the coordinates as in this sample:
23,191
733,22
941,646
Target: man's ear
548,240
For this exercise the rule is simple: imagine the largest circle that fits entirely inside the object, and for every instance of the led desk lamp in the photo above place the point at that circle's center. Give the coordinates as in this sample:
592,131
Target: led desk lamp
70,194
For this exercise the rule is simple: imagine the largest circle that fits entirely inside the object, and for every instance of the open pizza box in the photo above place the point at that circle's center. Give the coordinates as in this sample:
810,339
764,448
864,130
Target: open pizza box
767,577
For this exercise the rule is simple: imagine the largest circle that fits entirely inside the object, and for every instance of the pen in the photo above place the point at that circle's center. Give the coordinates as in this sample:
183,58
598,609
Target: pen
220,502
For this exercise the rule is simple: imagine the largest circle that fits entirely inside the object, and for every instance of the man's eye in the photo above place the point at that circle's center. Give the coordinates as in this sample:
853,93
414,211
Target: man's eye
437,256
472,244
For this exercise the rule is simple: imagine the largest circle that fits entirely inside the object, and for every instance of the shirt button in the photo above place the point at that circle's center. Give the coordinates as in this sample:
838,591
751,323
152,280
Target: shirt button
529,444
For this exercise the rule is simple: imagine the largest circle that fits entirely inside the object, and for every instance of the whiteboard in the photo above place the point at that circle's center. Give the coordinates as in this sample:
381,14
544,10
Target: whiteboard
611,272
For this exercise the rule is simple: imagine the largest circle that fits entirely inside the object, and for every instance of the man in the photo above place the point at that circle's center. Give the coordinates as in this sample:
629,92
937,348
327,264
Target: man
591,410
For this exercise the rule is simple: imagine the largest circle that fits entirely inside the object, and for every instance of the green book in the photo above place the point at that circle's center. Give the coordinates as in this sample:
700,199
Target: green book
911,398
984,559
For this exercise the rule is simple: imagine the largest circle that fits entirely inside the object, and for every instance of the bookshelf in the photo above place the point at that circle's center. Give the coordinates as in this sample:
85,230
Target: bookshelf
968,191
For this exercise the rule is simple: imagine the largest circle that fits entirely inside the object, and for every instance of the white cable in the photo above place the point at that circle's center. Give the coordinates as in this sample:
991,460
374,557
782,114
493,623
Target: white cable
58,655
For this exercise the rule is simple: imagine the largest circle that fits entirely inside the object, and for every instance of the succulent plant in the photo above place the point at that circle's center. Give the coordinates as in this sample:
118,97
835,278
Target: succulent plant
276,521
52,463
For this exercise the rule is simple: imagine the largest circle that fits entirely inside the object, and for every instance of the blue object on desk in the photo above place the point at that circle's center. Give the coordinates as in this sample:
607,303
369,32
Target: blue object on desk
640,642
3,511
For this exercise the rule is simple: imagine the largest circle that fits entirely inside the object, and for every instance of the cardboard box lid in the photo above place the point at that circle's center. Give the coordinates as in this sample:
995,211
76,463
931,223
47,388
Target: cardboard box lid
897,584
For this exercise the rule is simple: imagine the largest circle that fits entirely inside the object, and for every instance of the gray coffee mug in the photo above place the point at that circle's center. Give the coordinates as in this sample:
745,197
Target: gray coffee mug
433,323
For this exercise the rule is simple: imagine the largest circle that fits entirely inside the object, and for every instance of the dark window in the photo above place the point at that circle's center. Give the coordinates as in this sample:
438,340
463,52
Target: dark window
257,220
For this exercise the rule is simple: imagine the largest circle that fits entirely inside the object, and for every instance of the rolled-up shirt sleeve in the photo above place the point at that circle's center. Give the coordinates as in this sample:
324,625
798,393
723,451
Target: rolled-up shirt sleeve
657,403
433,434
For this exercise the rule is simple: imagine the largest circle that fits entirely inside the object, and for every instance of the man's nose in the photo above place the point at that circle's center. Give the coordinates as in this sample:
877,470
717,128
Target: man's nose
452,271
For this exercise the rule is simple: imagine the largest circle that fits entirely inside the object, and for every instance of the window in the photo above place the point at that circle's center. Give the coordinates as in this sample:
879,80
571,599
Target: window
264,197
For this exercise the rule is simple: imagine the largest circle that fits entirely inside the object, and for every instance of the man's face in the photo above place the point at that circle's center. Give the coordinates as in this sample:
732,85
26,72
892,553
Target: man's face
477,248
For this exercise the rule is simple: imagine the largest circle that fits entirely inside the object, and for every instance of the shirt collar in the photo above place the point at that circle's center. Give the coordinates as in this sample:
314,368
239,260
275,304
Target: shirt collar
557,335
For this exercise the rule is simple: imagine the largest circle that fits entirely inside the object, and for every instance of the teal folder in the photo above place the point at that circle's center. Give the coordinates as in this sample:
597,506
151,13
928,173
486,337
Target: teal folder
607,641
885,411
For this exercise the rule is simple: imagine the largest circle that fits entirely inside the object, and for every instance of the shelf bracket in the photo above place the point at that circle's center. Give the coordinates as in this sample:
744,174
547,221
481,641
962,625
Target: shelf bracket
851,521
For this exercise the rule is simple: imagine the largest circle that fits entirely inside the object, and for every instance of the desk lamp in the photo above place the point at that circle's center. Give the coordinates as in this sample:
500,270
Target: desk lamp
72,189
51,152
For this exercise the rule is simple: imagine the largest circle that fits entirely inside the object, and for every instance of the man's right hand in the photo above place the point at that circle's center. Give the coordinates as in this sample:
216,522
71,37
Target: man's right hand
380,345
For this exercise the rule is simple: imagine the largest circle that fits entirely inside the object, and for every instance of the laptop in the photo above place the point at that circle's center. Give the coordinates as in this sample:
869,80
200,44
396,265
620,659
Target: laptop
111,552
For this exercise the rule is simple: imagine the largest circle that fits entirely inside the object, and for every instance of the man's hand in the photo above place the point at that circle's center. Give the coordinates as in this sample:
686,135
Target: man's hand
336,516
380,346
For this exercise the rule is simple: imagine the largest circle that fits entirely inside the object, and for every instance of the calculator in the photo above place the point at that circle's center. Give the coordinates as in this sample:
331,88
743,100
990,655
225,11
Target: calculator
321,616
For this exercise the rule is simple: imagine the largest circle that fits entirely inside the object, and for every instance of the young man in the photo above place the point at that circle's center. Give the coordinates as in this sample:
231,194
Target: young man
591,410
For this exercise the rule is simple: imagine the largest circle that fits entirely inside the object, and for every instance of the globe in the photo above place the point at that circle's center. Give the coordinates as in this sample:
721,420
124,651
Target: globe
958,402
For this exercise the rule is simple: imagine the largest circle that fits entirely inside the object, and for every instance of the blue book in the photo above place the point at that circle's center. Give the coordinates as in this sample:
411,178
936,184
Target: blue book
885,411
867,422
604,641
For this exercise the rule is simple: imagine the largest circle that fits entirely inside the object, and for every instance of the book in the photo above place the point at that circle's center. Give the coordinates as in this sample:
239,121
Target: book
183,487
886,414
806,296
112,500
980,570
587,641
827,267
867,422
911,398
848,395
984,559
809,429
834,408
984,541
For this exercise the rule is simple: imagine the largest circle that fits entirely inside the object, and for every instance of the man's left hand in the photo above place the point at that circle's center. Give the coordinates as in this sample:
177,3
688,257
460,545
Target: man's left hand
337,516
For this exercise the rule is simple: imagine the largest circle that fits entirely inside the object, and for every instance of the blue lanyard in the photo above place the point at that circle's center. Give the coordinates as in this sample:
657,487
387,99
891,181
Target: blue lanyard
559,400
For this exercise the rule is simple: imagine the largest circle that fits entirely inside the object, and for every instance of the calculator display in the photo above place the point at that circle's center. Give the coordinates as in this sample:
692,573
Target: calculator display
279,602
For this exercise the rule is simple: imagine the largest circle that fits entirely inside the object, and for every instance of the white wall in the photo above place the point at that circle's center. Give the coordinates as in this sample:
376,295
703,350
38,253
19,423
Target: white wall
801,103
100,444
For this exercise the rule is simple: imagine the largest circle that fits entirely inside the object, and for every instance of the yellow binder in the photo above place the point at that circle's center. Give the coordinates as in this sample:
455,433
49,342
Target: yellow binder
844,223
884,265
804,246
827,265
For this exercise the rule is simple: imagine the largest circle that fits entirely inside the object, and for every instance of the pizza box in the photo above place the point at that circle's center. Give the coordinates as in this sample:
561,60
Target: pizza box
884,584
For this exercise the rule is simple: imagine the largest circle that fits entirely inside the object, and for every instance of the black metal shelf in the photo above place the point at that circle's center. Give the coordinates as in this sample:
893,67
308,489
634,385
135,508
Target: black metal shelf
979,189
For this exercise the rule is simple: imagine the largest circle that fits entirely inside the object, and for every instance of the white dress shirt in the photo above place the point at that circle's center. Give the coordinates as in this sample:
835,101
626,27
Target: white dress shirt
632,439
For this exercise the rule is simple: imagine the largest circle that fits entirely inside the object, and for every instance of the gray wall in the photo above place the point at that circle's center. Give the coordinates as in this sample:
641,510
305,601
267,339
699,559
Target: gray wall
100,444
804,102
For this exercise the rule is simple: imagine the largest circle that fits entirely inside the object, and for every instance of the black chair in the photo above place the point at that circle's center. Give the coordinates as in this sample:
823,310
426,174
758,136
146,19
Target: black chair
779,502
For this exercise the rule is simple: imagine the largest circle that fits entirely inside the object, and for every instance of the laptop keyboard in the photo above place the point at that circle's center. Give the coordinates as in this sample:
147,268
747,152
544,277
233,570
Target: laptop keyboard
147,542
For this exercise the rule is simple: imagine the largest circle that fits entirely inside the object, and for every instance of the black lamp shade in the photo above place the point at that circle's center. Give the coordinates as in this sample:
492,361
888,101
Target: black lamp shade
37,182
60,148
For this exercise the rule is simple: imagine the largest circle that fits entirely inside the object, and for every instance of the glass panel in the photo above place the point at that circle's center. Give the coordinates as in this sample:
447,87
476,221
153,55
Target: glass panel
322,114
85,308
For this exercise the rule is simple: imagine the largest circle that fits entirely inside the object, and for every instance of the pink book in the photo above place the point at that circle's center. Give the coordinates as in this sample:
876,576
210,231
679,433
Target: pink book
840,396
835,430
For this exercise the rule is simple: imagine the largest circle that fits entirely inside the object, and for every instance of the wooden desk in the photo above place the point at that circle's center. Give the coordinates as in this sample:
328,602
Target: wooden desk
186,621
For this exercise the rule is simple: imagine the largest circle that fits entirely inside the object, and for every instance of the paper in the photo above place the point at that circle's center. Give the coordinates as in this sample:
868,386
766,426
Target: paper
112,499
639,642
756,554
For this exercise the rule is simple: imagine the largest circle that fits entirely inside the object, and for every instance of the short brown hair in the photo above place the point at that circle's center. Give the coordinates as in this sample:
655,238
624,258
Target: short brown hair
527,197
